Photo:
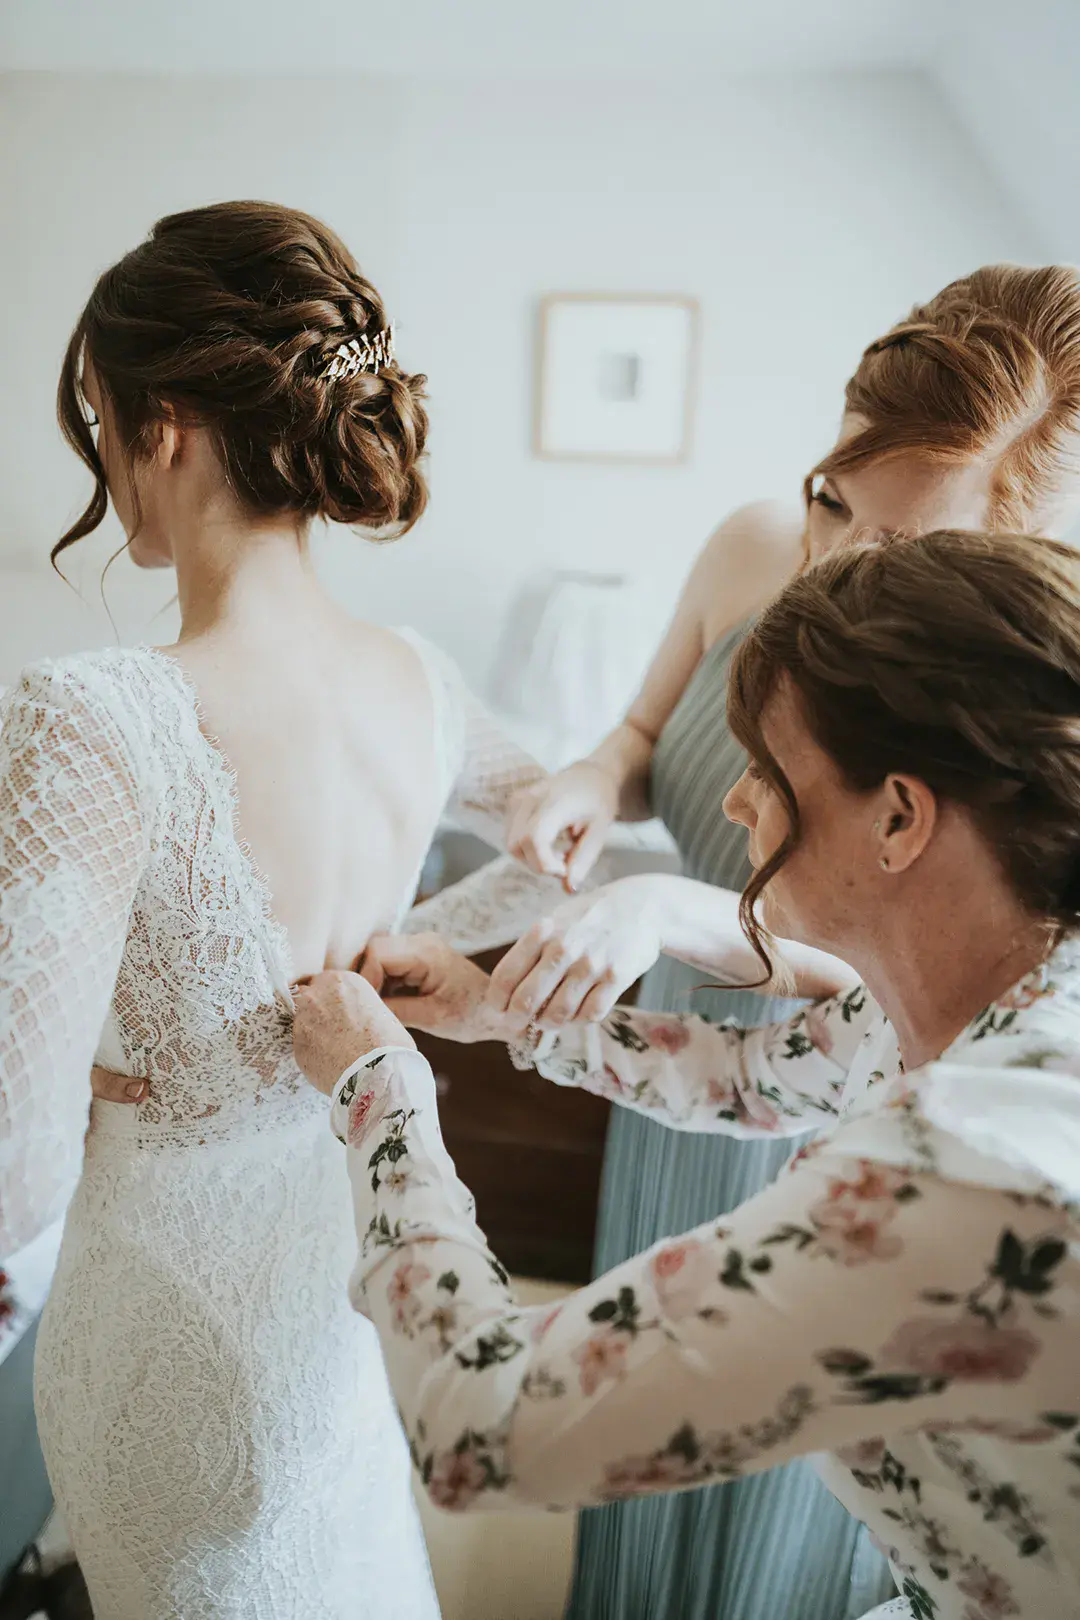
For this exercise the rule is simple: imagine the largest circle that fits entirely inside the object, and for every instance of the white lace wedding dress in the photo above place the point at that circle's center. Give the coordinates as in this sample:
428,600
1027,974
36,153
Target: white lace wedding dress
216,1420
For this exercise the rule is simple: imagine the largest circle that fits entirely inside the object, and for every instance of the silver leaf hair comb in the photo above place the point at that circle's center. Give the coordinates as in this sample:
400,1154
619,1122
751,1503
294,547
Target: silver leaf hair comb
368,354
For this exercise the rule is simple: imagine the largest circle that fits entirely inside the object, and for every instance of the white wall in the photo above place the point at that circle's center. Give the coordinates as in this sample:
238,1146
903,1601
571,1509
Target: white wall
1013,87
805,214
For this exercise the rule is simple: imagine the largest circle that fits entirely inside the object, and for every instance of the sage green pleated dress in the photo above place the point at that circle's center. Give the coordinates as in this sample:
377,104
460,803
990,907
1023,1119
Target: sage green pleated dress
777,1546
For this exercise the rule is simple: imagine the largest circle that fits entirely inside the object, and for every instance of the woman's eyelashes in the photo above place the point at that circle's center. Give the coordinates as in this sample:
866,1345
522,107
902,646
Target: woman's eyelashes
821,496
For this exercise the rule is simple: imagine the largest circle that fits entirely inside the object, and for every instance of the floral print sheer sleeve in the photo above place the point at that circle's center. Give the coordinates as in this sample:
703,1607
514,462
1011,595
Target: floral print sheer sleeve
779,1080
905,1298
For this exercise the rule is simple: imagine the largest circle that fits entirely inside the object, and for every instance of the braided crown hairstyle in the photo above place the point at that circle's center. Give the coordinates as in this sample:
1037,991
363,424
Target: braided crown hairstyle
227,316
989,370
953,658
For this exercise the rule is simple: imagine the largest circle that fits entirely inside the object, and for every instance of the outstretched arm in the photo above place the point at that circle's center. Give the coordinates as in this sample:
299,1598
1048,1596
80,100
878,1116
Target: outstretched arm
780,1080
581,960
559,826
719,1353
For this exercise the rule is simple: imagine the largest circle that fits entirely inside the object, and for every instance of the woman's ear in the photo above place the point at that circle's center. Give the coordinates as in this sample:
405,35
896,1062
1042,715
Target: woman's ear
166,433
907,815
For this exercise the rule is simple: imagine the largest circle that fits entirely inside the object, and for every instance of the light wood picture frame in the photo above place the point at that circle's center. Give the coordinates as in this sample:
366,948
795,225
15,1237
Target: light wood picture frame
615,377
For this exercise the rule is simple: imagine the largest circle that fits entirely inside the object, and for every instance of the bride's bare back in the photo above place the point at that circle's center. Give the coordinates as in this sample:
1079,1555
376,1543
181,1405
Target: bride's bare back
333,733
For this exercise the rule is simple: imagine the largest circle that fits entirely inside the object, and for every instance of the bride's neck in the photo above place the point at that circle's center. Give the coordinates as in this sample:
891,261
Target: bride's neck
244,576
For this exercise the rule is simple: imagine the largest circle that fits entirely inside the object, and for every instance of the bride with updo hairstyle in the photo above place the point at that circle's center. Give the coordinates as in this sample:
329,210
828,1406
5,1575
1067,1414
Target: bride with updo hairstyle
232,314
184,833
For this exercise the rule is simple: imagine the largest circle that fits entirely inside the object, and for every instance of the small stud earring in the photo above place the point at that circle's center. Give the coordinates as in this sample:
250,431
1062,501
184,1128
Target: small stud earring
884,863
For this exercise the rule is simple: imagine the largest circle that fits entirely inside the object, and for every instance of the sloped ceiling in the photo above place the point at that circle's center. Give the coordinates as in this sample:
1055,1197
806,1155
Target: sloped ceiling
1009,71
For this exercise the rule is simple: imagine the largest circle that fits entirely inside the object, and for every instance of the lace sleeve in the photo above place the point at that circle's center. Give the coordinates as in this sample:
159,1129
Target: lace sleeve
493,769
491,907
72,846
485,769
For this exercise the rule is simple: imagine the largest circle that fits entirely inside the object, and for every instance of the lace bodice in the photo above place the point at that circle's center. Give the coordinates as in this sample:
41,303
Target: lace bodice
197,1355
134,925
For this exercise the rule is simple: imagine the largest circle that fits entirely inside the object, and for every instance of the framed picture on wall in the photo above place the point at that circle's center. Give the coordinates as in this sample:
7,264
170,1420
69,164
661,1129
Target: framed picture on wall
615,377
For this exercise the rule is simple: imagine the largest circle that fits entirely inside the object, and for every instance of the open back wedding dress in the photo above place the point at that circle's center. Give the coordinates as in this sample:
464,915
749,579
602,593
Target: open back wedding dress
216,1420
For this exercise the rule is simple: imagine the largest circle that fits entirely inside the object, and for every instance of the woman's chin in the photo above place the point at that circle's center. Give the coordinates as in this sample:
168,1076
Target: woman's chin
148,558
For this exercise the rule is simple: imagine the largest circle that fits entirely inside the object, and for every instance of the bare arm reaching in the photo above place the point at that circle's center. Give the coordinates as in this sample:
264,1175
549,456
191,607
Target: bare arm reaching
558,827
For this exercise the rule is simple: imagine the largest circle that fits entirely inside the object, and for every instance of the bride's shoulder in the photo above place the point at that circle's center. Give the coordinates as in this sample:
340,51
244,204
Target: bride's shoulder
386,645
403,655
409,664
437,663
101,693
85,676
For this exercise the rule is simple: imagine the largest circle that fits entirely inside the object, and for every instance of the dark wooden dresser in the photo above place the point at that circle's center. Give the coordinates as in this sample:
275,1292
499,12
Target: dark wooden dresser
530,1151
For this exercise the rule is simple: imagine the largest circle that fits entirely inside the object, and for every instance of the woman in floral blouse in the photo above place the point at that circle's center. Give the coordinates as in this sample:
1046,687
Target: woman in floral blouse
905,1299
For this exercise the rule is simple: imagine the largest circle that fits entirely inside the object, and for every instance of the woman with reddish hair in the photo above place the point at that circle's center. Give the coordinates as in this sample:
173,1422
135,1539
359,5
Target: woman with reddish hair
904,1300
966,414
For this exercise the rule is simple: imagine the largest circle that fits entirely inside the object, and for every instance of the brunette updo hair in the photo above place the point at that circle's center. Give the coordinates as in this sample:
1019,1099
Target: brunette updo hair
988,370
228,316
953,658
